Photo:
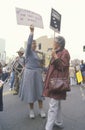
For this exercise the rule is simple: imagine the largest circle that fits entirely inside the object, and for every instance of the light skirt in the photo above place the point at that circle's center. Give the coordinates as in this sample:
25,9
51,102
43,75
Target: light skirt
31,86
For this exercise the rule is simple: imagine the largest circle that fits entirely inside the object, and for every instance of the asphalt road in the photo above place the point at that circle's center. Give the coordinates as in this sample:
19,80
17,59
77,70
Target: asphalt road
16,113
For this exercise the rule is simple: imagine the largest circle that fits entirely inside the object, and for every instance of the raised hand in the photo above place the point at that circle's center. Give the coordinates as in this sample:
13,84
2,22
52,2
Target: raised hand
32,28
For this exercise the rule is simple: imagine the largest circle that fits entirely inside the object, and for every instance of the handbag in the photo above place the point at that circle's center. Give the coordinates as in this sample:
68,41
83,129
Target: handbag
59,85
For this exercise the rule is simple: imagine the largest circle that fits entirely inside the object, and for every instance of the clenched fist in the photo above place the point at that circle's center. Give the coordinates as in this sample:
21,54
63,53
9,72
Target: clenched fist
32,28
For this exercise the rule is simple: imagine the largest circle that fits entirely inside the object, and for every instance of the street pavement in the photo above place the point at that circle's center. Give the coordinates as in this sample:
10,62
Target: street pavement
16,113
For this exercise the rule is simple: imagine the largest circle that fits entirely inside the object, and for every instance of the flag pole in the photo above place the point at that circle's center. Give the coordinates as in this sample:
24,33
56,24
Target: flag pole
54,34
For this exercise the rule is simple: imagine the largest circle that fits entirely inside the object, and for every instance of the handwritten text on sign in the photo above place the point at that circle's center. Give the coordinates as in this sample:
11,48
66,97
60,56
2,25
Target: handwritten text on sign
25,17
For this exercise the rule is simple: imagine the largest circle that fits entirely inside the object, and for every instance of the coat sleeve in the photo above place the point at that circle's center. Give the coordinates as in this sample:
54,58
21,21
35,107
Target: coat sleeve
29,44
63,61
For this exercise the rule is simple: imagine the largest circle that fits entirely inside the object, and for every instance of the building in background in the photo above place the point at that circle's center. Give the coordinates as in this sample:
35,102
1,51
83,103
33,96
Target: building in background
2,50
44,44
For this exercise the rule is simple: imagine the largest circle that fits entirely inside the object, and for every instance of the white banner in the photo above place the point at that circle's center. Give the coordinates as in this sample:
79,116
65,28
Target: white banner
27,18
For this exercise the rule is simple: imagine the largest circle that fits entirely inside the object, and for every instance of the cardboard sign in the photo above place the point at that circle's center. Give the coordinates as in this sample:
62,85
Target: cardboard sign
55,21
27,18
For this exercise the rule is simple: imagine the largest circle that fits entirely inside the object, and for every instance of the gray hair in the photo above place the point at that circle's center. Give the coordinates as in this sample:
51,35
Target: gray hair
61,41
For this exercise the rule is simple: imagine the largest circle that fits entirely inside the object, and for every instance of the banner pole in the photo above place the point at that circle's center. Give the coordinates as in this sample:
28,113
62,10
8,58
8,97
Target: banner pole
54,34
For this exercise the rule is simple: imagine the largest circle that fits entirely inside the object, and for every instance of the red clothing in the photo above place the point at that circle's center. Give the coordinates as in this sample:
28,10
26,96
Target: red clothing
55,70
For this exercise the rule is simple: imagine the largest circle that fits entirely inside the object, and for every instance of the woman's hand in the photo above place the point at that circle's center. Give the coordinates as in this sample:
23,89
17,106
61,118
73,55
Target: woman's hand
54,55
31,28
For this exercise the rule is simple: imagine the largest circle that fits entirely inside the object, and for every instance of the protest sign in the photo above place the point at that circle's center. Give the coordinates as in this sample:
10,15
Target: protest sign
27,18
55,21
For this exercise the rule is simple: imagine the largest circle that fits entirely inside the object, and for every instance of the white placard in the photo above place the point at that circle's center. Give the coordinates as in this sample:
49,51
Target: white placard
27,18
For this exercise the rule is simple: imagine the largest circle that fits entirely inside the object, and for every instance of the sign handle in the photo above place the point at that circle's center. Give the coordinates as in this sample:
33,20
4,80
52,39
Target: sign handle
54,34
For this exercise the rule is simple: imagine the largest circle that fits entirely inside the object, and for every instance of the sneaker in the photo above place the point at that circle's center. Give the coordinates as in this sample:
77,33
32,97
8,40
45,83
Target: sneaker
32,115
59,125
15,93
42,113
10,89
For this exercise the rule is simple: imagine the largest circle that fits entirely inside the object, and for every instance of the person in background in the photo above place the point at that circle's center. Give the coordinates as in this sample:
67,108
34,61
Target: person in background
31,89
1,70
79,77
5,73
59,61
72,74
12,77
18,68
82,68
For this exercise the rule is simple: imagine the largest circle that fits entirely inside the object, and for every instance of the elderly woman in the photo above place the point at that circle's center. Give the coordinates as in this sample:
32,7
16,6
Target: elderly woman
32,86
60,60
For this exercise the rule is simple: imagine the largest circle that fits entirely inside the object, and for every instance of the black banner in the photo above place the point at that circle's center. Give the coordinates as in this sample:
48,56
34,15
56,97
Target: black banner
55,22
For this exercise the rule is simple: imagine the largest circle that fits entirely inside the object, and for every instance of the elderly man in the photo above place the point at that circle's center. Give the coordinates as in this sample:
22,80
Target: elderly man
18,67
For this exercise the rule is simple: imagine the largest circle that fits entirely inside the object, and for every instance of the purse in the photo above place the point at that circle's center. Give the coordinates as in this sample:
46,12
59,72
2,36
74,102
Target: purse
59,85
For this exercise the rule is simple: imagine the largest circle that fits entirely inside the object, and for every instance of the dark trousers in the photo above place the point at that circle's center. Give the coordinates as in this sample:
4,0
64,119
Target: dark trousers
1,99
16,82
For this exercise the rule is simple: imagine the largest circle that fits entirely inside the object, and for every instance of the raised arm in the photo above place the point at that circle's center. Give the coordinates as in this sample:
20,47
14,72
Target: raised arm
29,43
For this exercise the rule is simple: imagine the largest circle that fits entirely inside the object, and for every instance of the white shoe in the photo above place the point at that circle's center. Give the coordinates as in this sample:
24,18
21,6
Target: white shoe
42,113
59,124
10,89
32,115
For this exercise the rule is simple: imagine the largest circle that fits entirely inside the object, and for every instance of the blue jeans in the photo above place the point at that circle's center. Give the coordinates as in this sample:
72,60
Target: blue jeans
12,77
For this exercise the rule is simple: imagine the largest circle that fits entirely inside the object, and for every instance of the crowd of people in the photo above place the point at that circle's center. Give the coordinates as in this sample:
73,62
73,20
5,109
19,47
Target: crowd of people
77,73
26,80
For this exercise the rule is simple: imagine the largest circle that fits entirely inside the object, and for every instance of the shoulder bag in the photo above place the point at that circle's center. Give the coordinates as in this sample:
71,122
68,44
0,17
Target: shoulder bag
59,84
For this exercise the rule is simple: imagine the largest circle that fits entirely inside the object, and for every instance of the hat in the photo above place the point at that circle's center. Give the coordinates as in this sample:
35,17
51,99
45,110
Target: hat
21,50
